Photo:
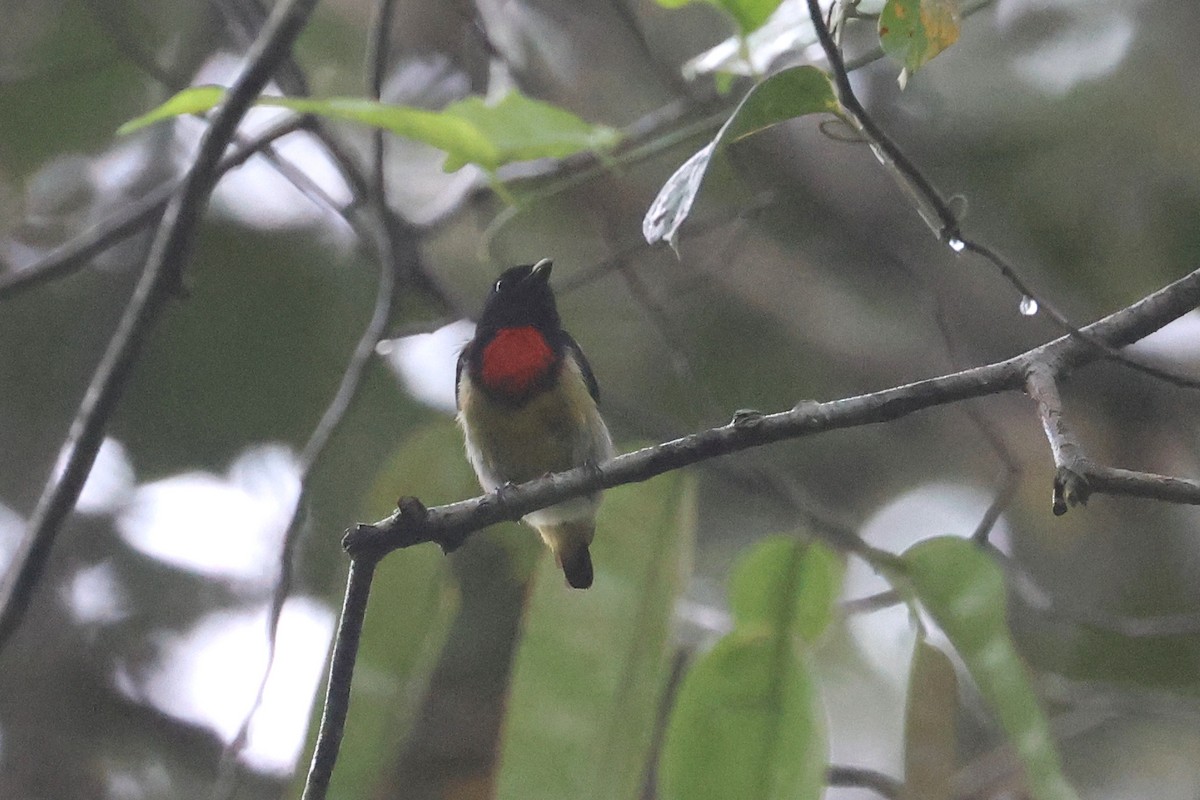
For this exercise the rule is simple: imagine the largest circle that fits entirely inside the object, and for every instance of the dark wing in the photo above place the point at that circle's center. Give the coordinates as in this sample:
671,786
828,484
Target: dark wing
458,370
576,352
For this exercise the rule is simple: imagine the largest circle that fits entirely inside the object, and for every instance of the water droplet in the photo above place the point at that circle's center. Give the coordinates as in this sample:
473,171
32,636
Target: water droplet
1028,306
957,245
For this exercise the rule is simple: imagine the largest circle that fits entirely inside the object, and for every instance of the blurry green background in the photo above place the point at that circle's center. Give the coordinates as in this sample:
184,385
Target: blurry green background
1066,127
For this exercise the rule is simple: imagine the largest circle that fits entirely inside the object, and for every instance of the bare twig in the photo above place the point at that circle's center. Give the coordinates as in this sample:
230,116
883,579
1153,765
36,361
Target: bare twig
873,602
936,210
863,778
450,525
74,254
1041,602
1004,496
391,254
161,277
341,670
1077,476
337,702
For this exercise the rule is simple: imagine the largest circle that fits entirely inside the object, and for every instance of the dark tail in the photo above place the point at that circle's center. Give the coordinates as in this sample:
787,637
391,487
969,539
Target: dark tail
577,567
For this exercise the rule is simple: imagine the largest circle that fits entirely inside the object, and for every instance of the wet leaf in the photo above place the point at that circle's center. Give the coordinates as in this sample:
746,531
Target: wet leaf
787,94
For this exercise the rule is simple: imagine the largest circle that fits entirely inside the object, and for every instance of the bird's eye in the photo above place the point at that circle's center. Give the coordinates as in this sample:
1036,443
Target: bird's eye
500,285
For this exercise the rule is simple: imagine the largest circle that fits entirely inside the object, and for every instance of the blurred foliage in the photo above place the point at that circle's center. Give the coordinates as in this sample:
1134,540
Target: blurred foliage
963,590
914,31
471,131
747,721
748,14
592,667
803,272
930,729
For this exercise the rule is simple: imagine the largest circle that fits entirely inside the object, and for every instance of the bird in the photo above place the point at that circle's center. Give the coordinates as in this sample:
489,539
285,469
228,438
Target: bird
528,405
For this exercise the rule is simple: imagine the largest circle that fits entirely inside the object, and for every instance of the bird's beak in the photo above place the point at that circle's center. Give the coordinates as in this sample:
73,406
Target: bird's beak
541,270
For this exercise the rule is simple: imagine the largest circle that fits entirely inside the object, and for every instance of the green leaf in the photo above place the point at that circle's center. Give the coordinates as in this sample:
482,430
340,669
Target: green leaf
964,592
748,14
786,583
747,723
787,94
592,665
516,128
914,31
195,100
930,722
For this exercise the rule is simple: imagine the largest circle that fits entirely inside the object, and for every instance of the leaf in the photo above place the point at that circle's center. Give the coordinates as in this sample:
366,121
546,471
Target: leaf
930,738
914,31
747,721
195,100
963,590
787,94
786,579
516,128
592,665
748,14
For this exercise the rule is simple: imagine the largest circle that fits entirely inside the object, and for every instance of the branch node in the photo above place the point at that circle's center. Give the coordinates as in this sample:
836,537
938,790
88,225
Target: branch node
1071,488
593,470
746,418
361,539
806,407
506,495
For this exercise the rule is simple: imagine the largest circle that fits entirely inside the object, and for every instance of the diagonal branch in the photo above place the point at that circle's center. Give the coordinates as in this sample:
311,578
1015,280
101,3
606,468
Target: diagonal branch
160,279
449,525
72,255
936,211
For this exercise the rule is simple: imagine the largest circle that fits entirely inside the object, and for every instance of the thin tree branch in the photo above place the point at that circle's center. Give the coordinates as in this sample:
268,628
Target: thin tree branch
872,602
450,524
341,670
390,254
1004,496
337,702
331,420
1042,603
160,279
1010,273
1077,476
863,778
936,211
73,255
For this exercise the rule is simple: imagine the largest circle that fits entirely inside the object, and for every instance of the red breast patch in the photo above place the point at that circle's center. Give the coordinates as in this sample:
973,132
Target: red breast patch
515,359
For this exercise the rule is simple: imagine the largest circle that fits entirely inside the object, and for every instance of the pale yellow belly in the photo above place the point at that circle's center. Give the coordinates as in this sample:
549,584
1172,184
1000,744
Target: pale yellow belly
552,432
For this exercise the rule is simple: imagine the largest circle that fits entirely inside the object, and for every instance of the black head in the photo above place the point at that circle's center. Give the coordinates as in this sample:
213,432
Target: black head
521,296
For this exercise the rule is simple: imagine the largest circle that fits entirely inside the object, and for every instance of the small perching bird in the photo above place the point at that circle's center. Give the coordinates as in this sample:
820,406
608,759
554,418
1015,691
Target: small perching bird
527,406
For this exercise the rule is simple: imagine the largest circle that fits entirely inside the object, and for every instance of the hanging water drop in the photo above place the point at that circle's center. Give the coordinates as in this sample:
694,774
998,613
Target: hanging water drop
1028,306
